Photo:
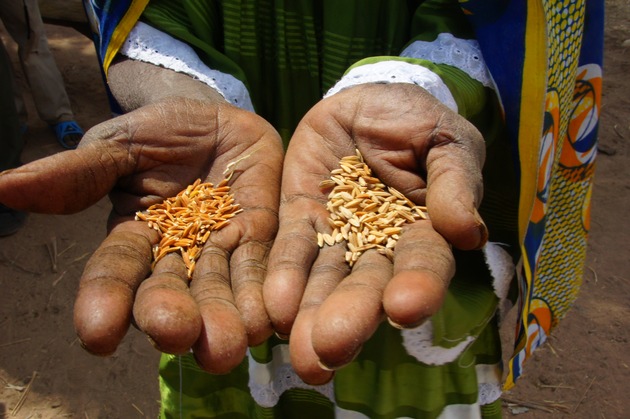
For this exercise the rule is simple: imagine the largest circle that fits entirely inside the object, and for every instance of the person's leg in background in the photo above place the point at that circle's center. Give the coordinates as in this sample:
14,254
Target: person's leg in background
11,143
23,21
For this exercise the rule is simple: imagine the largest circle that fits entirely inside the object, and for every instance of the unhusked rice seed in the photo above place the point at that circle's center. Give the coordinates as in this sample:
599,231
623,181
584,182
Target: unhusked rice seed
364,212
184,222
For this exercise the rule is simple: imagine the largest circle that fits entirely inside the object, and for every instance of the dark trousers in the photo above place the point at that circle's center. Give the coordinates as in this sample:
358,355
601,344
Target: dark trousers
11,143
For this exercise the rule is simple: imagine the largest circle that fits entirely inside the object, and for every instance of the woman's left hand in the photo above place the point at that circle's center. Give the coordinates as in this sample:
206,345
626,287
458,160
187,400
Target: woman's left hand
412,143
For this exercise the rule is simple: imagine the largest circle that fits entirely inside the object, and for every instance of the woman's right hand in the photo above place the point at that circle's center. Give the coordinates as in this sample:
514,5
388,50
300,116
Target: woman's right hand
140,159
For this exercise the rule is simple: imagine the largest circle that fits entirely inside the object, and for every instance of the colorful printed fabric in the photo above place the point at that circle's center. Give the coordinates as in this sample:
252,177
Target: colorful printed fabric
556,49
110,22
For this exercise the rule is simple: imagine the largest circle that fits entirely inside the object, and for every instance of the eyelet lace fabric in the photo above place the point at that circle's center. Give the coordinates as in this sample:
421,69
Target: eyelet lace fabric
396,72
502,269
150,45
418,342
268,381
489,383
489,392
464,54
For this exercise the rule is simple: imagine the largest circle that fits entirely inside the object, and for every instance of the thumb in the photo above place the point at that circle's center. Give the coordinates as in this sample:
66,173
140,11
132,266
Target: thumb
64,183
454,191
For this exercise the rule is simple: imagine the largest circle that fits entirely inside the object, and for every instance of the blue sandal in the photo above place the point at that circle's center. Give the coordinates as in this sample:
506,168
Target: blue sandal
68,133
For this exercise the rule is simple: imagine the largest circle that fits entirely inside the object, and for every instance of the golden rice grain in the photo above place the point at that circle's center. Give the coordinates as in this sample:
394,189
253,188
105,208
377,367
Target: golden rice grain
184,222
364,213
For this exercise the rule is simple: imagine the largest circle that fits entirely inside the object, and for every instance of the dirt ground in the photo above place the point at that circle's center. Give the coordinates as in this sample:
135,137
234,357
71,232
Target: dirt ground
582,372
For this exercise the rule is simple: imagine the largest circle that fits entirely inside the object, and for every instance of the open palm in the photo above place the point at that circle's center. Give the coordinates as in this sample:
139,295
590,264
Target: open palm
140,159
412,143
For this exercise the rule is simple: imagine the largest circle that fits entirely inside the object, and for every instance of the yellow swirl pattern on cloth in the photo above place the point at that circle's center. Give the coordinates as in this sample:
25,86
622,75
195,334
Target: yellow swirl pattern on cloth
555,242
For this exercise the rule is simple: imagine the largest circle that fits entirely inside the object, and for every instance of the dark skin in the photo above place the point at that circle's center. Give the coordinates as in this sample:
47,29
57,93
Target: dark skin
243,290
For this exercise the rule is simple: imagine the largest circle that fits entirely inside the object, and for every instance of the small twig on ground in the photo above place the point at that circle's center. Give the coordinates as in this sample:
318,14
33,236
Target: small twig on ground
584,395
14,342
56,281
20,402
52,252
138,409
594,273
546,406
83,256
67,248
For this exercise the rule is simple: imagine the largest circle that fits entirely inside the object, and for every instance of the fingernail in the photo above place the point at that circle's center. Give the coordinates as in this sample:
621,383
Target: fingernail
406,326
324,367
282,336
483,231
394,324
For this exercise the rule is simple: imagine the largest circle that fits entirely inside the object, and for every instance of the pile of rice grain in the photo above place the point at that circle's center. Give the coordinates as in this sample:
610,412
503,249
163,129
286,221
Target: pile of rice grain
185,221
365,213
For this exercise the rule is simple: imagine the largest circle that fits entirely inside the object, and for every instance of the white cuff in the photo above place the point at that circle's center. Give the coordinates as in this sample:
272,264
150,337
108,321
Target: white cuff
396,72
464,54
268,381
150,45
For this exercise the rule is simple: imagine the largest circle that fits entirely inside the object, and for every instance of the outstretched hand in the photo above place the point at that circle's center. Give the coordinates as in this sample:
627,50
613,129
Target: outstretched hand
140,159
412,143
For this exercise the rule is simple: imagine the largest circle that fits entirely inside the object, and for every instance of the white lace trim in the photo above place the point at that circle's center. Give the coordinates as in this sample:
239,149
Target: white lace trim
418,342
150,45
465,54
502,270
489,382
268,381
396,72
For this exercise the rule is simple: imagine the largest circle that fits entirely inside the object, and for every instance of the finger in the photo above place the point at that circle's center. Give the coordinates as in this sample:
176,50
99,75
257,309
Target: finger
423,268
304,359
325,275
248,269
222,344
352,313
66,182
249,236
293,252
102,310
164,308
455,189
